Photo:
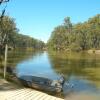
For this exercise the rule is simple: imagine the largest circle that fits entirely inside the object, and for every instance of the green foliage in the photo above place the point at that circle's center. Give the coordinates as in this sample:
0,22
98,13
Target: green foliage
75,47
9,35
7,29
81,36
24,41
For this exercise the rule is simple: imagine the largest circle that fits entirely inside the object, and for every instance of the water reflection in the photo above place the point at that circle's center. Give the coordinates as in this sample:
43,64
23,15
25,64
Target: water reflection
37,65
80,69
18,56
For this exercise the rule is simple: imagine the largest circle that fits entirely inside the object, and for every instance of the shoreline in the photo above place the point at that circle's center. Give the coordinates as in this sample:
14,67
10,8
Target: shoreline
11,91
93,51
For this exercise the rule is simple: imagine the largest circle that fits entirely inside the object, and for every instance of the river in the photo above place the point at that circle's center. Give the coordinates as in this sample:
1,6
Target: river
81,70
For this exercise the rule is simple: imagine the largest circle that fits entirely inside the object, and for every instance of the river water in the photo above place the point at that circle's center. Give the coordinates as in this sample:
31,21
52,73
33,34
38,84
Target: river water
81,70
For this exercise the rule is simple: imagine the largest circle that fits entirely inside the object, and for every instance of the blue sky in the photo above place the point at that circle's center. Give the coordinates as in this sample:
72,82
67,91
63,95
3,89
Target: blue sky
37,18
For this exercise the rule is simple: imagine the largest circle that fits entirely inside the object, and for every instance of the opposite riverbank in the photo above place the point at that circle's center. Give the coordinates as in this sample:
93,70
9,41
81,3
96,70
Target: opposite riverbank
94,51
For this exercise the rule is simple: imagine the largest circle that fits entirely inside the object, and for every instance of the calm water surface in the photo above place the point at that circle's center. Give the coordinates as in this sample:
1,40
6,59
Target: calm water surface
81,70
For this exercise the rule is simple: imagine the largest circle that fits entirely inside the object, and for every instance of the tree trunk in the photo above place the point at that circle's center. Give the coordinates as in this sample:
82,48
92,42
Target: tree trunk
5,63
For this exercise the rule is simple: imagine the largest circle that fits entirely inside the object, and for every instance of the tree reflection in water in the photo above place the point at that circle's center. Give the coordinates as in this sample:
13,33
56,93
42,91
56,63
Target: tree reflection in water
80,69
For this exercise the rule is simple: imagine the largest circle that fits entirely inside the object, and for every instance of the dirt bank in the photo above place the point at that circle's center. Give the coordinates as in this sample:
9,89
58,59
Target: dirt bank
83,97
94,51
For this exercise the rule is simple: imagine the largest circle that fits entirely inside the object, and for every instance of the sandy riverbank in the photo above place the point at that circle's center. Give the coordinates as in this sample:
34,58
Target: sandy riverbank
94,51
12,89
83,96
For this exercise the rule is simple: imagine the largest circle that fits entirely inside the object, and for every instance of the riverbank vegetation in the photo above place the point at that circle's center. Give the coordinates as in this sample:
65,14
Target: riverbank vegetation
76,37
9,34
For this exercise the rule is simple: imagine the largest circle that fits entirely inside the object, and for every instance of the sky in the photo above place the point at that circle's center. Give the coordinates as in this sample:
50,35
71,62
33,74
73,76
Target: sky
38,18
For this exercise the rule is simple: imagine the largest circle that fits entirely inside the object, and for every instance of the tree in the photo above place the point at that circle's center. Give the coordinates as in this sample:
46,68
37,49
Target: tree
7,29
1,18
81,36
68,24
60,38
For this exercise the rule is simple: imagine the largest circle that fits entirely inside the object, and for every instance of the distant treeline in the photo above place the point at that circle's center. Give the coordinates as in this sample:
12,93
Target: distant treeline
80,36
24,41
9,34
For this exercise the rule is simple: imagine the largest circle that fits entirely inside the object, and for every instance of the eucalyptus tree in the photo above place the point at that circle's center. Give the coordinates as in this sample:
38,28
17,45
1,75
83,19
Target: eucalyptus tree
60,37
68,24
1,32
4,5
83,36
7,29
94,31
